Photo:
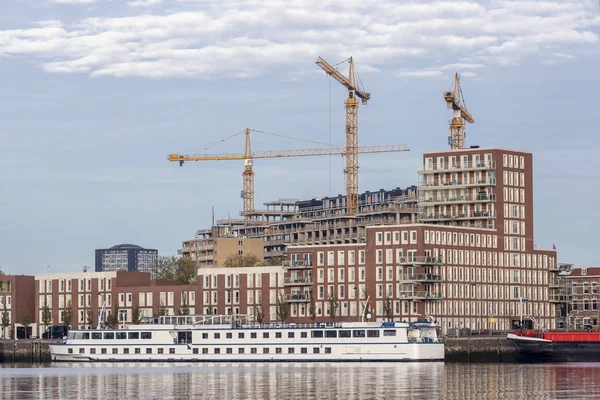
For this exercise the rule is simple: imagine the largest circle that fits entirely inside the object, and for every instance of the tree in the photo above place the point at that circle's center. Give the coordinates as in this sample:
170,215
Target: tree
164,268
241,261
68,315
183,270
89,318
312,308
259,312
1,272
283,307
46,314
25,319
113,319
162,310
333,306
136,314
388,311
4,318
275,261
184,309
186,272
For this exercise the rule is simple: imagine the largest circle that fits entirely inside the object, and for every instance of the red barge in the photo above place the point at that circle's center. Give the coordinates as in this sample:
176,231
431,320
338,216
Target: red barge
557,346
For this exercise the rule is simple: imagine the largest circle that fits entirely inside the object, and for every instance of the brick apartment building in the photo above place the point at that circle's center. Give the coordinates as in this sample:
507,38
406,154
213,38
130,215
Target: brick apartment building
470,262
16,299
581,305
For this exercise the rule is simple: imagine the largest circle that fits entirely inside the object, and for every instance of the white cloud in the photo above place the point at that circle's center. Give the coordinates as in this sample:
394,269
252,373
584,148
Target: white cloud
144,3
419,74
246,38
74,1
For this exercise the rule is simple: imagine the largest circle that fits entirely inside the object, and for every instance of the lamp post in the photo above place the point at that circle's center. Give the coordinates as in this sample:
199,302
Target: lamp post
521,300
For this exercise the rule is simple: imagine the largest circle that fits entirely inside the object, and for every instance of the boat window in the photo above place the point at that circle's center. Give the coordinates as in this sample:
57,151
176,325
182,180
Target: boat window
71,335
146,335
278,335
92,351
303,334
229,350
160,351
195,351
253,350
265,335
121,335
330,333
358,333
217,350
205,335
125,351
229,335
217,335
97,335
172,350
241,350
134,335
327,350
389,332
81,351
240,335
115,351
70,350
149,350
253,335
109,335
303,350
278,350
290,335
290,350
345,333
266,350
138,351
103,351
373,333
315,350
204,351
316,334
85,335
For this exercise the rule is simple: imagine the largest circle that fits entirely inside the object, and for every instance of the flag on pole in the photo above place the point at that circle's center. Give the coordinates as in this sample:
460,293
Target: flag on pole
553,246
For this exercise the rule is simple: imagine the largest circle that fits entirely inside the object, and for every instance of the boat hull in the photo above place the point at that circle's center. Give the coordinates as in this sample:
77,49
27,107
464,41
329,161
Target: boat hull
401,352
532,350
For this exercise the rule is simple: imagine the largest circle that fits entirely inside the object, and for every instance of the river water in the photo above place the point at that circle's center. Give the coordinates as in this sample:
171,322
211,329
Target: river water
300,381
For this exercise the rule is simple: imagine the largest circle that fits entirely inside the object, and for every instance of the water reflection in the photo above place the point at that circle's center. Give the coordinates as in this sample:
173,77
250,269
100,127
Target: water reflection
306,381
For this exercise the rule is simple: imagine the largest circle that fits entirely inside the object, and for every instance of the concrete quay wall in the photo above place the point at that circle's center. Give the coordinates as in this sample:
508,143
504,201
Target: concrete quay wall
489,349
24,351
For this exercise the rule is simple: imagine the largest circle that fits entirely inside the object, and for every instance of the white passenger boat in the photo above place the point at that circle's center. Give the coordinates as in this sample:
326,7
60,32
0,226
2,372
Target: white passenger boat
234,338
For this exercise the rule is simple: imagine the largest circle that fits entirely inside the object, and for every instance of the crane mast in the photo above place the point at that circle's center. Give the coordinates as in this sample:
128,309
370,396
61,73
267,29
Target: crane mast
248,177
351,170
459,115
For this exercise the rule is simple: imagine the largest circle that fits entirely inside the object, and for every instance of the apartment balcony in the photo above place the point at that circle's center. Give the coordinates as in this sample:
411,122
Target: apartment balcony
457,200
210,257
304,281
558,283
421,278
454,167
559,298
420,260
206,247
300,264
437,184
296,298
425,295
458,217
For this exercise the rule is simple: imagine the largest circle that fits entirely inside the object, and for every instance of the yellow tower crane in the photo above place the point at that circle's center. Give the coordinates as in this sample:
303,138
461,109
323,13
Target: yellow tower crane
455,101
351,130
249,156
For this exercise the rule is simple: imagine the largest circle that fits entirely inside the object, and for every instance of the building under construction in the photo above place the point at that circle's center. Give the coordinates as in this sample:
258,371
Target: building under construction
317,221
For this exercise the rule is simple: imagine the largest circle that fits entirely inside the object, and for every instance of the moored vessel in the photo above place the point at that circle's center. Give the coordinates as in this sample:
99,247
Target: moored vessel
557,346
235,338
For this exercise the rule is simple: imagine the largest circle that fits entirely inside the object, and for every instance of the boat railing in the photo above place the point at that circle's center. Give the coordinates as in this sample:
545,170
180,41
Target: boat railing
289,325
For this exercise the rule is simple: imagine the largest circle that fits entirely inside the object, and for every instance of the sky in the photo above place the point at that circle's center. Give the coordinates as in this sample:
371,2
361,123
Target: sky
96,93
